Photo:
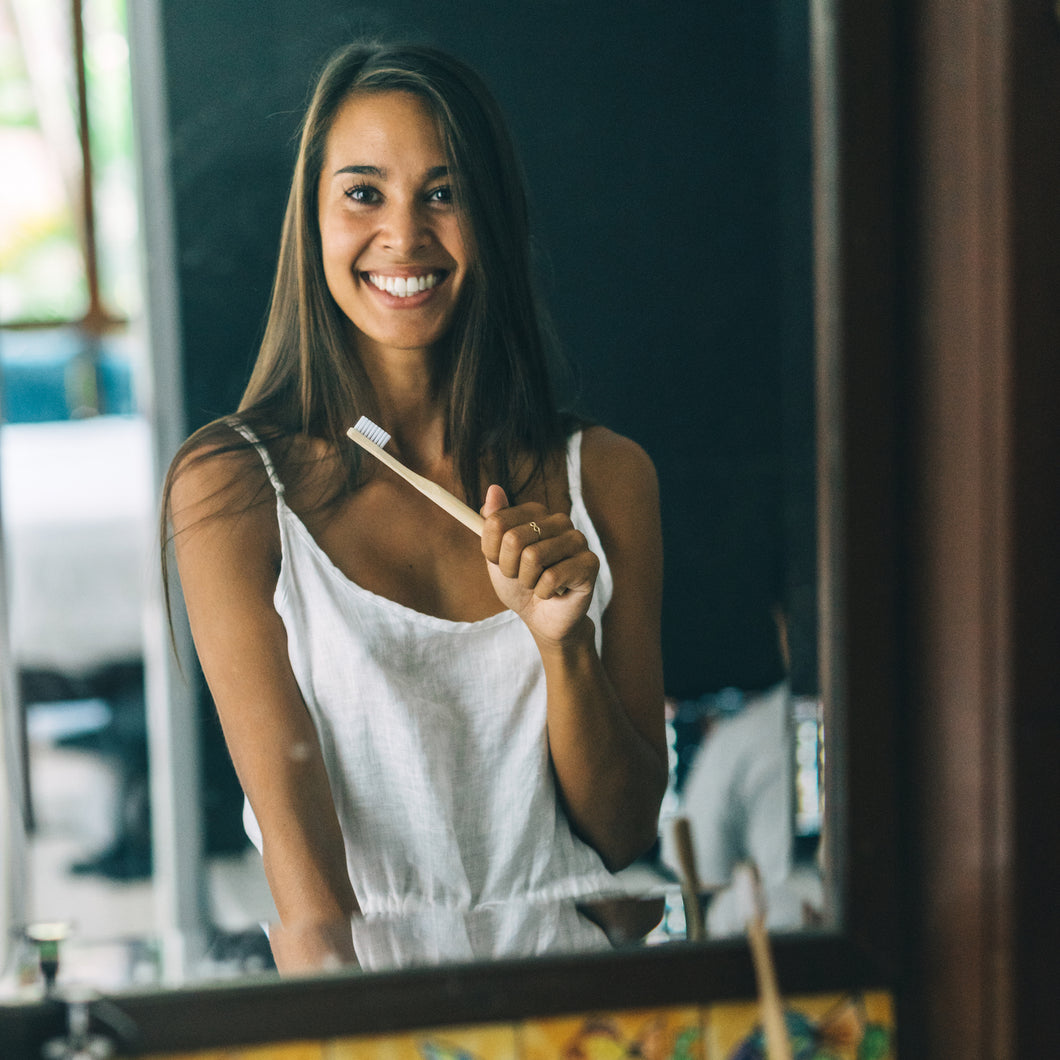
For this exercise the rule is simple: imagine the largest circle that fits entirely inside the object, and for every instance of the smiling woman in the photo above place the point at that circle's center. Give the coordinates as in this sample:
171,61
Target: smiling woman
392,236
901,582
470,735
655,177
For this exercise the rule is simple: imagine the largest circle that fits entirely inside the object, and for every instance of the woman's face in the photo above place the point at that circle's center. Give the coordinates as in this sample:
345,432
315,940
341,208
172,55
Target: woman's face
394,251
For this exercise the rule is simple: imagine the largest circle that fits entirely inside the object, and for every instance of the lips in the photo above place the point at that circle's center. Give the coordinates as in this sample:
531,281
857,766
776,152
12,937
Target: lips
404,286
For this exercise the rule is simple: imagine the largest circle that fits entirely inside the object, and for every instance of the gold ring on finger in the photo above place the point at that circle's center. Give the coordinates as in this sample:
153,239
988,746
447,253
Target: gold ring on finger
536,529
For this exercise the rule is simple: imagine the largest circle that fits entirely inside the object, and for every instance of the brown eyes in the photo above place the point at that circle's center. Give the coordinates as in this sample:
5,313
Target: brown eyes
368,195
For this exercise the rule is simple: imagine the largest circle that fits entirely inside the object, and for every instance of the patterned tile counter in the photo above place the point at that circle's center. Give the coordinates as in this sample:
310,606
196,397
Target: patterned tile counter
821,1027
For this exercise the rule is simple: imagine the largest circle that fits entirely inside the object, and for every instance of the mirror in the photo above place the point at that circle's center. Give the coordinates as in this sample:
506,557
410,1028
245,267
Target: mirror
670,177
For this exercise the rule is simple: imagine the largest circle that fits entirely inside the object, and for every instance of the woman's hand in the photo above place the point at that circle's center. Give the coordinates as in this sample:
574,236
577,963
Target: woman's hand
540,565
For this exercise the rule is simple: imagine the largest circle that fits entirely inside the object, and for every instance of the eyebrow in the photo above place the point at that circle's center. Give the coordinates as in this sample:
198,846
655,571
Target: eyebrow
375,171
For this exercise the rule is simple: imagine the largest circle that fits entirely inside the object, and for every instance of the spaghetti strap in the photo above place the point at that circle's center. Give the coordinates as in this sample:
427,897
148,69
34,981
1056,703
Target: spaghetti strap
238,425
574,464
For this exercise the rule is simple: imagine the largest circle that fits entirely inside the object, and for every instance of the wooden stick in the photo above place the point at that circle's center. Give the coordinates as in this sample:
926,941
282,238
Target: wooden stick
431,490
778,1044
686,859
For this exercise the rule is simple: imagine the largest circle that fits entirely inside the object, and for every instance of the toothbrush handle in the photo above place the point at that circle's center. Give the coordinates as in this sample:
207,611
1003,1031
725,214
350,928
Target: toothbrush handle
431,490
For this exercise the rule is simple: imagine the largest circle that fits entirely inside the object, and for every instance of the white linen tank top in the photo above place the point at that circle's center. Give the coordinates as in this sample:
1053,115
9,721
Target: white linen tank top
433,734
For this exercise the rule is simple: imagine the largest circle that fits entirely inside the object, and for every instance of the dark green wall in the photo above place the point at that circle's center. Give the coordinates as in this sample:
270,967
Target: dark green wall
666,148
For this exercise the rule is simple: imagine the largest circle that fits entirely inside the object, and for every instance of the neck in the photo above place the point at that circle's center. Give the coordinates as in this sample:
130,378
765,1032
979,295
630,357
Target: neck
409,406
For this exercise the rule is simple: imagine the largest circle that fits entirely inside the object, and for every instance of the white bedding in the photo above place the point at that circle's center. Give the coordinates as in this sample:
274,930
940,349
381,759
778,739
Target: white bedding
76,510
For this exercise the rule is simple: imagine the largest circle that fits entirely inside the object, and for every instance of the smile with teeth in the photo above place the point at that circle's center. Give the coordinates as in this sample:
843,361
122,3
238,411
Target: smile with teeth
404,286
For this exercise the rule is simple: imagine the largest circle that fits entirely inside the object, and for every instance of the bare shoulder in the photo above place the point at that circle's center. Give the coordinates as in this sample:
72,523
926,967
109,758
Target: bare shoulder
222,512
621,489
616,469
214,476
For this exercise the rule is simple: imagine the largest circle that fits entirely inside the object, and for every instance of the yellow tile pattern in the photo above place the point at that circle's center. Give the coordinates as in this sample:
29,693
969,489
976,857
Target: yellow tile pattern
278,1051
845,1026
841,1023
496,1041
651,1034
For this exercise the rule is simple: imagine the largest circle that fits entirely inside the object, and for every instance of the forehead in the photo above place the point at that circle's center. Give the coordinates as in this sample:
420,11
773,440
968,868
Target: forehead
372,125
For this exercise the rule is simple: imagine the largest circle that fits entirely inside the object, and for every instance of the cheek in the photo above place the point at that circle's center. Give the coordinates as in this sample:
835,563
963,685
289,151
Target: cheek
339,254
334,259
462,248
340,236
334,271
459,243
334,242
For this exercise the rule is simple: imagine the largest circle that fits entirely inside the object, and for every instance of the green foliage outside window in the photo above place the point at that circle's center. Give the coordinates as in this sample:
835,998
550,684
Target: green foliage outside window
43,275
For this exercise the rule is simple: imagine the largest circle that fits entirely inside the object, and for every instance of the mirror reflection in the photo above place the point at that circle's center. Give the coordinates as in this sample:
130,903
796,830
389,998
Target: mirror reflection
725,413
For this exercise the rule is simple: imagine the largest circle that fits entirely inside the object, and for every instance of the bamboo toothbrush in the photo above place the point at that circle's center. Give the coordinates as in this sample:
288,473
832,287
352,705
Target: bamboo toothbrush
371,438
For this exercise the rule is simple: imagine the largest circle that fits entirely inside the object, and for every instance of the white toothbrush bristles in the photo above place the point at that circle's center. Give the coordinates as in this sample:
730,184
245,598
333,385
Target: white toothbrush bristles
373,432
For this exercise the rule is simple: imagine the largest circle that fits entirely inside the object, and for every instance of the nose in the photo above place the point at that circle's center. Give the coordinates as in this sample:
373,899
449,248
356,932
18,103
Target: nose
404,227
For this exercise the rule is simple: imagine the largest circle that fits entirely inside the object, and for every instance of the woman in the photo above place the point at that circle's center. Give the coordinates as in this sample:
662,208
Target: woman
423,722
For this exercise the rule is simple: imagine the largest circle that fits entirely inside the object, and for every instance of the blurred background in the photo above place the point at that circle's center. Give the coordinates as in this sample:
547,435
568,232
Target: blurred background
75,449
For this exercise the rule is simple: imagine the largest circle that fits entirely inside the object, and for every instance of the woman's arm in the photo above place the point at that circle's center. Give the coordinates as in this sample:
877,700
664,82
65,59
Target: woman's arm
605,711
227,550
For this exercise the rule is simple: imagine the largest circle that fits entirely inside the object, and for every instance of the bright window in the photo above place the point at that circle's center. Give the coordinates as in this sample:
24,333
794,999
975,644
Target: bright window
69,265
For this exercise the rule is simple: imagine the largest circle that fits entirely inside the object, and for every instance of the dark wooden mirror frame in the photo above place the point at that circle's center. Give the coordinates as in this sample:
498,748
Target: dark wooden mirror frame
857,441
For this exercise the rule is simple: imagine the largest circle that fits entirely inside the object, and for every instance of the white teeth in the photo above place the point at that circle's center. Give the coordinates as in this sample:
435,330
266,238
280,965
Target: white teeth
403,286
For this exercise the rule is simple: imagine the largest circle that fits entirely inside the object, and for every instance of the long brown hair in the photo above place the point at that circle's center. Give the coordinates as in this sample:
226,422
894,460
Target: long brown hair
492,368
